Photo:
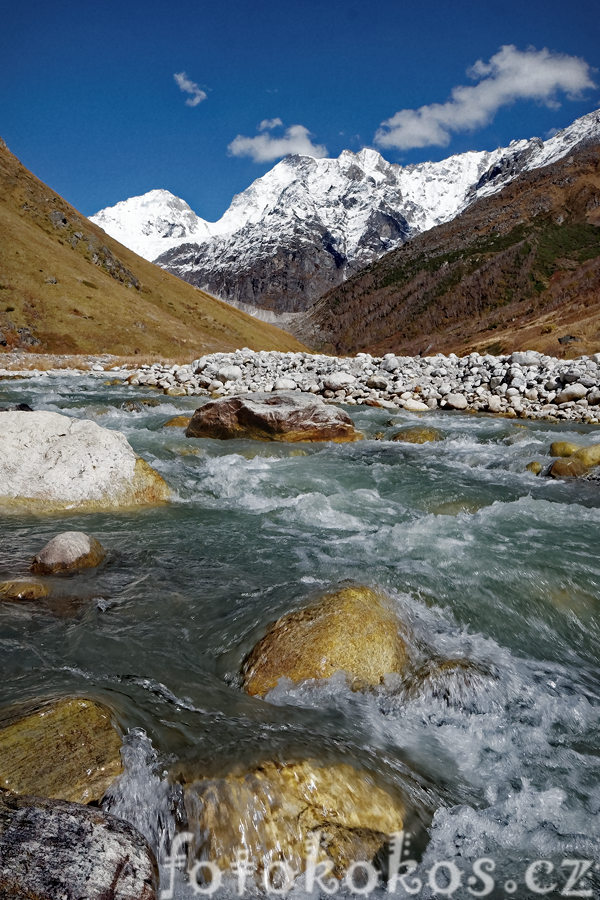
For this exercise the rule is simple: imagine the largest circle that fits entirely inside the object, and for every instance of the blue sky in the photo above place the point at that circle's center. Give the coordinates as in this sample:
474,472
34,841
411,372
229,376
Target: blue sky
89,101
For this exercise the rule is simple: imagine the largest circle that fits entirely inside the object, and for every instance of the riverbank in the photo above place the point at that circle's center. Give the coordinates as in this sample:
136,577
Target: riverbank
525,384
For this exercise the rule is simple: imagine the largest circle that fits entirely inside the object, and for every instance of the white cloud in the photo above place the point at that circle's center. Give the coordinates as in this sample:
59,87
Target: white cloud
188,86
270,124
509,75
267,147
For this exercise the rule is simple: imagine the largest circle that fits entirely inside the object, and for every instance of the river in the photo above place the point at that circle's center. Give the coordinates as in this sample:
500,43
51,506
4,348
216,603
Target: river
481,558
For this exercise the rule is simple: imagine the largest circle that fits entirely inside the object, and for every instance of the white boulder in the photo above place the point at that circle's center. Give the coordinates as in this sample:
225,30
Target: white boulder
52,462
338,380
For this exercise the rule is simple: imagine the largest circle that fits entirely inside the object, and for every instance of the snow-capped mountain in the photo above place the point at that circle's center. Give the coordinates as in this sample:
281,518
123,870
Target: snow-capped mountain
152,223
309,223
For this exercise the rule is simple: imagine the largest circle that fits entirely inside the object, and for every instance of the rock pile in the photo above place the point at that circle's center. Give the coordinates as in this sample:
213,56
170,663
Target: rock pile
527,384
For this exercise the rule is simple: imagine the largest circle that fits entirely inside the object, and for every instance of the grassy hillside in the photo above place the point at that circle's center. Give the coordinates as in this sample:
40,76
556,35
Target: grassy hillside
519,269
67,287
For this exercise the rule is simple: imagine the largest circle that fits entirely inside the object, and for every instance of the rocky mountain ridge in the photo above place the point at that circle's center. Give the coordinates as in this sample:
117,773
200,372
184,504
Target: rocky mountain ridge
308,224
519,269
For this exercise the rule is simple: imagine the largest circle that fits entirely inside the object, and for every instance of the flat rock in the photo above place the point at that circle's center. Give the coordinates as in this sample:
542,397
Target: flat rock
272,417
277,808
68,552
66,749
353,630
50,462
53,850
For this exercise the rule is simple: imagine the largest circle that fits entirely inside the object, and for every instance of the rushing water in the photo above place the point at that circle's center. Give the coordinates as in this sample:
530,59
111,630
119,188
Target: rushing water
480,557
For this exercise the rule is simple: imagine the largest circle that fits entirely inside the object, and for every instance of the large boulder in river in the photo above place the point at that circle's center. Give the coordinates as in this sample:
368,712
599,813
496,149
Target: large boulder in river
50,462
353,630
66,749
69,551
272,417
53,850
273,810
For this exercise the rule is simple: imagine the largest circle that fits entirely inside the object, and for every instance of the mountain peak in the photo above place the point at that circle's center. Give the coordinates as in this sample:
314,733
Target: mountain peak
307,224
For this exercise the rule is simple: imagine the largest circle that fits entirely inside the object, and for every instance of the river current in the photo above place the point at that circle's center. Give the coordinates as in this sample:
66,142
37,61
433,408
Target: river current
481,558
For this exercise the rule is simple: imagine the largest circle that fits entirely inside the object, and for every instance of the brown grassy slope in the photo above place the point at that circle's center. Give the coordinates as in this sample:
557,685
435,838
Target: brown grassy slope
517,270
106,298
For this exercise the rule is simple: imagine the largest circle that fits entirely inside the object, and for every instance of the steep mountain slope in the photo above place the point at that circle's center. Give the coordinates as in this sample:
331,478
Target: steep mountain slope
308,224
517,269
66,287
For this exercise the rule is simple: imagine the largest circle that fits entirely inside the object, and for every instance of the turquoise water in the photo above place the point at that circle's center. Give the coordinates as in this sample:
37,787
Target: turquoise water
512,582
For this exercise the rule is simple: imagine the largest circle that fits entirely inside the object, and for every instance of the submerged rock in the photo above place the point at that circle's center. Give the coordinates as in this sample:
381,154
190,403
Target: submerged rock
68,552
535,467
455,682
66,749
50,462
272,417
456,507
352,630
418,435
273,810
53,850
22,589
178,422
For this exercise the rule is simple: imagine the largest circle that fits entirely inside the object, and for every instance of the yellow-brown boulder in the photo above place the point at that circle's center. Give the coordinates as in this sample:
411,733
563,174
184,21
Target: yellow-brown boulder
568,468
273,810
353,630
65,749
589,456
178,422
564,448
535,467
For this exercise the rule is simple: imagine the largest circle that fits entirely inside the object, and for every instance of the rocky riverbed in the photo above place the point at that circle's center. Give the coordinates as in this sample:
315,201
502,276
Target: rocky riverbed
525,384
453,592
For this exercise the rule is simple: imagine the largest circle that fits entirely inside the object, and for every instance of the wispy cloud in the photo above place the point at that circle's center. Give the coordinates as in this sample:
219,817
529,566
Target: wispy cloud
510,75
265,147
185,84
270,124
